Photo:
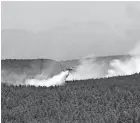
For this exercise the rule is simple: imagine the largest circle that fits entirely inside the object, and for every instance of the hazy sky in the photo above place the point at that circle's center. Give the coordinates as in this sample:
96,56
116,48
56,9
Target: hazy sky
37,16
111,21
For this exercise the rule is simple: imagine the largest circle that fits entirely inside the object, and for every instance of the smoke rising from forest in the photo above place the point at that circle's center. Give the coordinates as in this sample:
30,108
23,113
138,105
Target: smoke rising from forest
89,67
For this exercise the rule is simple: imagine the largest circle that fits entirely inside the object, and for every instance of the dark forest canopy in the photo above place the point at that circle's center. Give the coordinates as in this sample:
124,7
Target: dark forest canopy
97,100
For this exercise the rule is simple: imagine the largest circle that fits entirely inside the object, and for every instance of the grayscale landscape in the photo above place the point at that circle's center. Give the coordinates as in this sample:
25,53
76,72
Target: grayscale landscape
70,62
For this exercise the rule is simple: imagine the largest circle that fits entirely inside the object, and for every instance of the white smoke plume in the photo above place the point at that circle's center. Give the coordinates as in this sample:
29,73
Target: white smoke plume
90,68
127,67
87,69
56,80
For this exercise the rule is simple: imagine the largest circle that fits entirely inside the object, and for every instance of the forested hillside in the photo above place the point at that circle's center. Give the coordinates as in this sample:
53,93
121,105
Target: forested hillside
110,100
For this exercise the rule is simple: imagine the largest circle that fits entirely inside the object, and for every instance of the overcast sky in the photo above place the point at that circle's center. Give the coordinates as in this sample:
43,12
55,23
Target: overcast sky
114,22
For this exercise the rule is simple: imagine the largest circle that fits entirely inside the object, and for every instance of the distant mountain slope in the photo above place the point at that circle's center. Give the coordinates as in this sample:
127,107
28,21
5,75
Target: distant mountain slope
18,70
70,63
105,59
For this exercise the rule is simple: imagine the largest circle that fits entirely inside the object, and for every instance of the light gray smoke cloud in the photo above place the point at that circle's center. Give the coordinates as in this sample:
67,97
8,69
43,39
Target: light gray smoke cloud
87,69
90,68
55,80
128,66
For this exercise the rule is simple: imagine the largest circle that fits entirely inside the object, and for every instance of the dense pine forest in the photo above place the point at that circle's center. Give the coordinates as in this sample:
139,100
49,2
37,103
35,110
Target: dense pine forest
107,100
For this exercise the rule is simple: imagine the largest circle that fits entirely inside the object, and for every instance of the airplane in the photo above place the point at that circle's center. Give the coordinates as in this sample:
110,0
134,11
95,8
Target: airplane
68,69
